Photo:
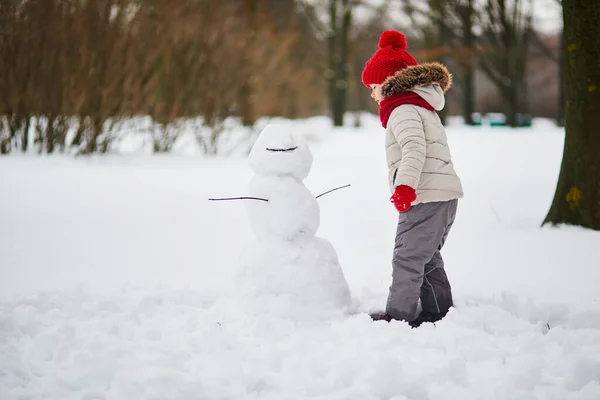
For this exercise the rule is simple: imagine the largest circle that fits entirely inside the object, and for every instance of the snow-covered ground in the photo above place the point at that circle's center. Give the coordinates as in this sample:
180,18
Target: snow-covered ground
116,280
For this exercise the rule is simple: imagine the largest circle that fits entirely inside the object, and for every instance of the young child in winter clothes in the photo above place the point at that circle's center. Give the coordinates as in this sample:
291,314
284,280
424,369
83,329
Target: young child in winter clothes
421,176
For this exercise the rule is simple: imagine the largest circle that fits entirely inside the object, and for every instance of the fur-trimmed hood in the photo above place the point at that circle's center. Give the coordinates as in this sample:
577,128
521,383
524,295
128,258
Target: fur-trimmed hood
415,76
428,80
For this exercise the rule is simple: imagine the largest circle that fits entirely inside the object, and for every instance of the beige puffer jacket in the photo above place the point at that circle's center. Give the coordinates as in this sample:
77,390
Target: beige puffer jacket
417,148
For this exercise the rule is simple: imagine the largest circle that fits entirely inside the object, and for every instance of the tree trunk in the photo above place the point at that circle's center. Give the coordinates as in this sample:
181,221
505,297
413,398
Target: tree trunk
338,58
81,127
442,41
25,135
246,111
468,84
577,197
333,55
438,37
91,144
50,134
560,121
511,100
4,146
469,95
5,140
341,85
246,96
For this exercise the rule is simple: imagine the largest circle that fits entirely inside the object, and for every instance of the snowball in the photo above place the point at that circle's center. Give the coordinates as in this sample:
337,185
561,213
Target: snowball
280,152
299,279
291,209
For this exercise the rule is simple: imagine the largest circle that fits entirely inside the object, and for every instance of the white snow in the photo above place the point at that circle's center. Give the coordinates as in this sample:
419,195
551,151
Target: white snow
116,280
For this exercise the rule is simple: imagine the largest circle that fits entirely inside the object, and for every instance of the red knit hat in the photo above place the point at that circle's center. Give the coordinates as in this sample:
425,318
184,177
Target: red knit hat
390,58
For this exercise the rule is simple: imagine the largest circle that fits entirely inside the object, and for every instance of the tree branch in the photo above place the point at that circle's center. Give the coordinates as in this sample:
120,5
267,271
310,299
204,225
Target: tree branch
546,51
310,11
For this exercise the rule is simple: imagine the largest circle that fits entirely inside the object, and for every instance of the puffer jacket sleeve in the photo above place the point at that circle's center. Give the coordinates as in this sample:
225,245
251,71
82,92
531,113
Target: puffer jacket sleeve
407,127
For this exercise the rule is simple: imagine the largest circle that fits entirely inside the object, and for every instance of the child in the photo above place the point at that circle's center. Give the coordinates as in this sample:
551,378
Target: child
421,176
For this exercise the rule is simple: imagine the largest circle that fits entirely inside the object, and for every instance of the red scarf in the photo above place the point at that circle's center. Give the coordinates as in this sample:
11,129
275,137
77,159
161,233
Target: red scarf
387,105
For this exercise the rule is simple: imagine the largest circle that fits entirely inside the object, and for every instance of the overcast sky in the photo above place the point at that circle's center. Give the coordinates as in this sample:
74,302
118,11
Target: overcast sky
547,14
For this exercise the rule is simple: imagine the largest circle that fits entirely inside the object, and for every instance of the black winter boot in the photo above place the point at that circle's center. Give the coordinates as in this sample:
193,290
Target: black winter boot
427,317
381,317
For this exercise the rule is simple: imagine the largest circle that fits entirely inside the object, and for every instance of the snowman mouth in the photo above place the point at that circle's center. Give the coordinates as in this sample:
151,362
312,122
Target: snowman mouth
282,150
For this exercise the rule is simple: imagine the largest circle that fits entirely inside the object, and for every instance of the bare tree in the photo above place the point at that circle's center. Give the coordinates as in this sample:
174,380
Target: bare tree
577,197
337,29
447,27
251,21
84,66
507,29
16,64
363,42
467,12
340,20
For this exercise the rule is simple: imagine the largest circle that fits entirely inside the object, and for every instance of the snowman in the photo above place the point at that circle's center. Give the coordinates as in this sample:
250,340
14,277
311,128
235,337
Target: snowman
287,271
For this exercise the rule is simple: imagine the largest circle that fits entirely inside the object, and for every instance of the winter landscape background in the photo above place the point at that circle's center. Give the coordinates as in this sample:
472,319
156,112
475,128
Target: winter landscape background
116,279
120,119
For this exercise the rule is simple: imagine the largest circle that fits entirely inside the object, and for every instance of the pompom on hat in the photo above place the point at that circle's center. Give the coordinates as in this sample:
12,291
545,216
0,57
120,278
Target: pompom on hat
390,58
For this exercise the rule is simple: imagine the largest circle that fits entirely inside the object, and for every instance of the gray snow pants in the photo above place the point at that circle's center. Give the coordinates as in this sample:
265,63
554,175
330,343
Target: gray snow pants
418,268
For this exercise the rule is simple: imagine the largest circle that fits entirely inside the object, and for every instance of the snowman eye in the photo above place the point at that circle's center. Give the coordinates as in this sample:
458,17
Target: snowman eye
282,150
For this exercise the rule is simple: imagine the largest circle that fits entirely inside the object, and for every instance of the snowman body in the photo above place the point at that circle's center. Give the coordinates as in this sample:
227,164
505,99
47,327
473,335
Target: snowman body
287,271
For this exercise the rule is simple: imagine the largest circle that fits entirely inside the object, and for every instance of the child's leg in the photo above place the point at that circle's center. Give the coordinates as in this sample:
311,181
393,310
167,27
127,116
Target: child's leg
421,232
436,293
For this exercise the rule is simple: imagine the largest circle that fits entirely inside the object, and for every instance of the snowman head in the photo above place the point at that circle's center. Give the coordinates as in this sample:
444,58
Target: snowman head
279,152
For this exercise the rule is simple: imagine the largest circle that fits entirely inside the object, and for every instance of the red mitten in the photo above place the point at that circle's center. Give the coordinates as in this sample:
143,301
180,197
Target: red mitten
403,197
